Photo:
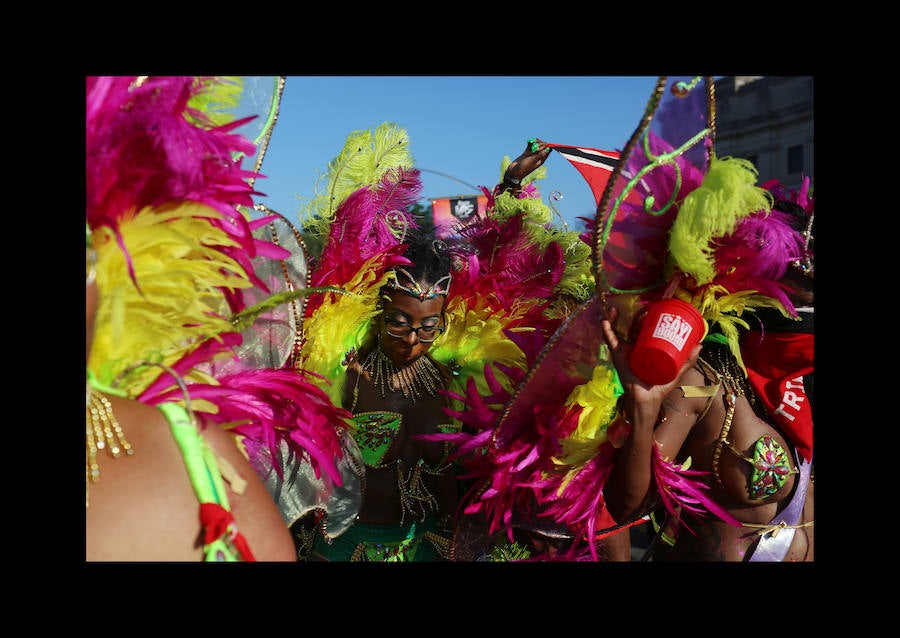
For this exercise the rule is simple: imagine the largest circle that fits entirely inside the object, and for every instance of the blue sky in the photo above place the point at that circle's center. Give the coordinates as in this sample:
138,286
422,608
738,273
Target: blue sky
461,126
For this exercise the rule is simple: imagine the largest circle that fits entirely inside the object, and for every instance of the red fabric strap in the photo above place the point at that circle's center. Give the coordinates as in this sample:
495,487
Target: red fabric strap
218,522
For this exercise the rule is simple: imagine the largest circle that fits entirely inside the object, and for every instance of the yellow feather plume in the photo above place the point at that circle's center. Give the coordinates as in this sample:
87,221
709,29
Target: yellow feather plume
179,303
342,322
726,195
718,306
474,336
578,277
365,158
597,399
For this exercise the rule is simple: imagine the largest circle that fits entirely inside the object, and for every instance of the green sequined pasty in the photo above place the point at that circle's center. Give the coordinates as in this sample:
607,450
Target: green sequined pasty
374,434
771,467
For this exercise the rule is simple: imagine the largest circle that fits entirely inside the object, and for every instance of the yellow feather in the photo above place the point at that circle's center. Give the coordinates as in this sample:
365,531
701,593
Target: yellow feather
719,307
474,336
713,209
342,322
597,399
179,303
363,161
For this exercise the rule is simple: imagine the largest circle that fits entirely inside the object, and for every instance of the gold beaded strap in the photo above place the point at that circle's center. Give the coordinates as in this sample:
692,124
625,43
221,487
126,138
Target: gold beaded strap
731,391
730,402
102,431
415,498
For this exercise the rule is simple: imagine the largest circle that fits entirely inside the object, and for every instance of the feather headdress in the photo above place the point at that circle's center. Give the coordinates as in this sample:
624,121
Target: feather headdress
165,188
362,219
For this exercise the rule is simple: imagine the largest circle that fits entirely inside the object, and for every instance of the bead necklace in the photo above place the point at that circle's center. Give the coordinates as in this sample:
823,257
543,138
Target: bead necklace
420,376
102,431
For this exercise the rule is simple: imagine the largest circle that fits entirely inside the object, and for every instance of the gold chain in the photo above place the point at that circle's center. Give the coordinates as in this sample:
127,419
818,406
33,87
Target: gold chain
102,431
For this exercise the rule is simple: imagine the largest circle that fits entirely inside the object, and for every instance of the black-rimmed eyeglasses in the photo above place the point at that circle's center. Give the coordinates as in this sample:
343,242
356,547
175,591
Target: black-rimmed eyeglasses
401,330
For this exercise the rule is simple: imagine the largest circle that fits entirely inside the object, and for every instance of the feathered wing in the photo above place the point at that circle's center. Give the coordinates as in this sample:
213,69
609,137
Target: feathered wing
361,218
180,264
522,281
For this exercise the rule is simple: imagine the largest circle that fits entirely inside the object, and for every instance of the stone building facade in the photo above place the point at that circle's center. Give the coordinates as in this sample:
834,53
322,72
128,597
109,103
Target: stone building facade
769,121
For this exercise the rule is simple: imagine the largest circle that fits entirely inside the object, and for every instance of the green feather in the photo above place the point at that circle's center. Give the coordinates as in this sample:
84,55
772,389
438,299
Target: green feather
365,158
246,317
509,552
726,196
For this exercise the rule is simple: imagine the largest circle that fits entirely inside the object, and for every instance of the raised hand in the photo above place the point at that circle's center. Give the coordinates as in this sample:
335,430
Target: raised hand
535,153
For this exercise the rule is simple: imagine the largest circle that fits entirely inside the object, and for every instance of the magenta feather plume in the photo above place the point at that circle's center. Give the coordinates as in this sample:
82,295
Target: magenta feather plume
513,483
267,249
510,265
143,151
580,503
678,487
369,222
267,406
506,481
532,341
147,148
472,447
803,197
480,411
757,255
581,500
521,472
165,386
368,226
636,250
761,245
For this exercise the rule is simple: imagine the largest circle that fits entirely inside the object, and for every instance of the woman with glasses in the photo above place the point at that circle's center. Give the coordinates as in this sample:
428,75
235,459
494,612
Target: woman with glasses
393,389
417,321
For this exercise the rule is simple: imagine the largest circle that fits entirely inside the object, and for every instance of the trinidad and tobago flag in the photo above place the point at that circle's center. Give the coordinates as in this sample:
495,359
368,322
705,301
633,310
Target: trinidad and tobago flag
595,166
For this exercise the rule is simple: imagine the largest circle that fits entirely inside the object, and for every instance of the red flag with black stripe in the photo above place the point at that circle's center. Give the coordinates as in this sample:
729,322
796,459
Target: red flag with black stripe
595,165
632,251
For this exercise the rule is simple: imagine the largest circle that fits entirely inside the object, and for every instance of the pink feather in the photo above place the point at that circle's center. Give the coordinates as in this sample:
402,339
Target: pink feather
268,406
757,255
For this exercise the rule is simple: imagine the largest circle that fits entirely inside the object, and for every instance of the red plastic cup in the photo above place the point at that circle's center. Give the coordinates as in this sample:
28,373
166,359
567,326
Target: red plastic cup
670,330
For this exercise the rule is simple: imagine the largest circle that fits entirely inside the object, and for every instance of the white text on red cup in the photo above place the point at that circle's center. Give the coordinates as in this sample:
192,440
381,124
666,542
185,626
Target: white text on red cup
672,328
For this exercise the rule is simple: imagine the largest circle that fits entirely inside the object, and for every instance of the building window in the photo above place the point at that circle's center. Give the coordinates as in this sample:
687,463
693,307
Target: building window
795,159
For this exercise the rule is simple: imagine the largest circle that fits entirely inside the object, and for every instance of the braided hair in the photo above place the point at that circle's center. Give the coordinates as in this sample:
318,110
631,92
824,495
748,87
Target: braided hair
430,259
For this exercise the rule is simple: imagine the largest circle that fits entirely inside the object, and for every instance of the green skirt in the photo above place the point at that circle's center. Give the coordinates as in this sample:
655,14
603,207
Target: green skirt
418,541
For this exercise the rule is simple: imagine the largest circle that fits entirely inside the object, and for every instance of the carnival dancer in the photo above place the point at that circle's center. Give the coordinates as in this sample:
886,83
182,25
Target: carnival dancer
751,403
701,231
169,251
418,320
